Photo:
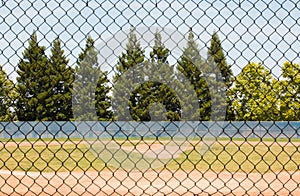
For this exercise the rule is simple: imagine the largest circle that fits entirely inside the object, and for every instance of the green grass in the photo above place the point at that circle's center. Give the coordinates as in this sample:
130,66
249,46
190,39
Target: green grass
240,158
135,139
49,159
2,140
260,139
231,157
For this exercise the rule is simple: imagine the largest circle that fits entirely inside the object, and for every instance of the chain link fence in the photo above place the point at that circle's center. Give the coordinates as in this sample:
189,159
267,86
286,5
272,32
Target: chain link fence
149,97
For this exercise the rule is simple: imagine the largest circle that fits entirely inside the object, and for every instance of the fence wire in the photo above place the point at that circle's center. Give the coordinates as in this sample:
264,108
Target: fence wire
149,97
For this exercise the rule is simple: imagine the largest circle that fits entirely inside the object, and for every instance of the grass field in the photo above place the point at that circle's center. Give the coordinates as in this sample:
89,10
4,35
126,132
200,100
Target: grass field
233,155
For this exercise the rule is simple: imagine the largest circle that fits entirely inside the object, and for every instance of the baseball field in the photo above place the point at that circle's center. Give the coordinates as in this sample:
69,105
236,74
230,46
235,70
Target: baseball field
149,167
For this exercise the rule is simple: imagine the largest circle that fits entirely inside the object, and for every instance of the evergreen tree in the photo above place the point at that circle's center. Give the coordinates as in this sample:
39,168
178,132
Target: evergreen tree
150,94
90,88
253,95
7,97
224,76
103,100
133,56
59,104
193,68
216,55
157,112
34,84
289,89
159,53
157,90
124,86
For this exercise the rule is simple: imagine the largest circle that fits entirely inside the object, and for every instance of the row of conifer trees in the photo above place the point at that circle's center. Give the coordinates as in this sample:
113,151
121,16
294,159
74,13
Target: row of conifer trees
46,87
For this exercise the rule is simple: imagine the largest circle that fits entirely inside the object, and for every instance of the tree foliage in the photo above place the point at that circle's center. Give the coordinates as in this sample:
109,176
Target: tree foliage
289,90
103,100
223,75
45,87
91,89
193,67
217,56
7,96
126,78
59,103
157,90
34,84
253,95
133,56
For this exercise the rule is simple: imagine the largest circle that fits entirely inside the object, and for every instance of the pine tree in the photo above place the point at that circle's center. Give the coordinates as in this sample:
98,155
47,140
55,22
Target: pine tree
103,100
91,100
157,91
133,57
150,94
216,55
126,79
7,97
34,85
162,69
159,53
224,76
59,104
192,66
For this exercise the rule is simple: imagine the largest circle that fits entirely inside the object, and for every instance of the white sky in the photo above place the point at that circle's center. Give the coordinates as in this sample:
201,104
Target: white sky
264,31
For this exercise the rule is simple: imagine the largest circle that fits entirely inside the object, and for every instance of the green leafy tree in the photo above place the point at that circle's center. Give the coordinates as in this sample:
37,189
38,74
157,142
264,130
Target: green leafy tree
290,91
223,76
126,77
59,104
192,66
90,87
157,91
34,84
253,95
7,96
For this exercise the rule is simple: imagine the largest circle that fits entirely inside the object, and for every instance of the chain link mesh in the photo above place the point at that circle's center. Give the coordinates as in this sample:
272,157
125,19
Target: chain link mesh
149,97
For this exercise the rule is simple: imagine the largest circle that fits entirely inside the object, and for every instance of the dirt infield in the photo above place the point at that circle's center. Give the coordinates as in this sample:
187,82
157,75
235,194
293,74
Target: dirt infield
148,183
